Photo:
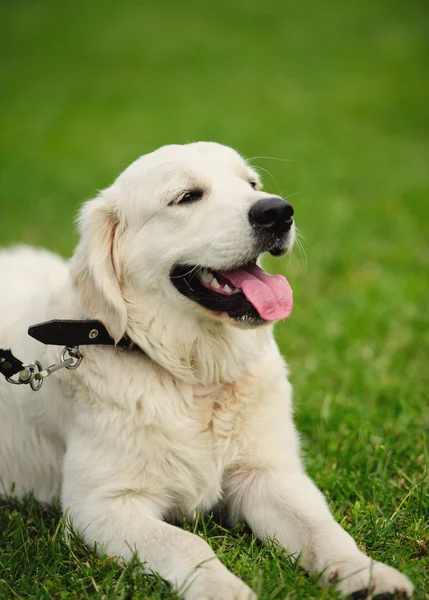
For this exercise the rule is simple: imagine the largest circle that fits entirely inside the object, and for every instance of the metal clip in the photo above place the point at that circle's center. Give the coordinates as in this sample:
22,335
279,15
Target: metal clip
34,373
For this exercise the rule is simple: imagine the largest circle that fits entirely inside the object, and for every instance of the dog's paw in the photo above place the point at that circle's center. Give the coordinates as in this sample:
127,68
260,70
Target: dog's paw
218,584
364,578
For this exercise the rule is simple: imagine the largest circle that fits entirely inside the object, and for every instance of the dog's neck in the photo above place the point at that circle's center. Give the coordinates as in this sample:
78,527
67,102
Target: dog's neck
196,350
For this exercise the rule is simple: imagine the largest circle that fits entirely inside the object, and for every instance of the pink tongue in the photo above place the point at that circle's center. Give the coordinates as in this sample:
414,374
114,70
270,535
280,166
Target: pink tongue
271,295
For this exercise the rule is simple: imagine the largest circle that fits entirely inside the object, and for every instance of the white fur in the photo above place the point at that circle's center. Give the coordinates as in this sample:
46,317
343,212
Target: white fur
131,440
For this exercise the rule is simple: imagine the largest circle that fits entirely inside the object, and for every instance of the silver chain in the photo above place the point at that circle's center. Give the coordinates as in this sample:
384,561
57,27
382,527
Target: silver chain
34,374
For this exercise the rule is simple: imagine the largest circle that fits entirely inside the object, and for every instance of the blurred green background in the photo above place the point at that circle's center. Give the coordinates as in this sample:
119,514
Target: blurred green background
331,101
335,93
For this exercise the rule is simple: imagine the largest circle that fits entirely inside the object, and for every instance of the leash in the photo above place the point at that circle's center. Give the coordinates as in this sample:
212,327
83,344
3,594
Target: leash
67,333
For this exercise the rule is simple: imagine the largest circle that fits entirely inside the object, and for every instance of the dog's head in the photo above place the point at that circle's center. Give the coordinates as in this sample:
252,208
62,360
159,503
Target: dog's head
183,227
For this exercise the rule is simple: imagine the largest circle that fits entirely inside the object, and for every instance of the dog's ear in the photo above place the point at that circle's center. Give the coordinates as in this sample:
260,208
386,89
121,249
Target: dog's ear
94,270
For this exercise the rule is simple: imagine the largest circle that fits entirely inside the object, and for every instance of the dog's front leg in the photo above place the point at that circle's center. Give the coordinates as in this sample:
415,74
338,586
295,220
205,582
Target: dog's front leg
288,506
123,522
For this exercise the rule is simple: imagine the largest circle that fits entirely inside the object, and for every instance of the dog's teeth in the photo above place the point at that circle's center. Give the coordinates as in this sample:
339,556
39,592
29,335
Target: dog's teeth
206,276
215,283
227,288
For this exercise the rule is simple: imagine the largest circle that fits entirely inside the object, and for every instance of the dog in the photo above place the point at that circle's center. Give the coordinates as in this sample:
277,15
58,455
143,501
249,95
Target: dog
196,411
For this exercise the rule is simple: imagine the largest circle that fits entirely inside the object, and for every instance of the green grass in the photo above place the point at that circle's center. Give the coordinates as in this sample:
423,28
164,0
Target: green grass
338,92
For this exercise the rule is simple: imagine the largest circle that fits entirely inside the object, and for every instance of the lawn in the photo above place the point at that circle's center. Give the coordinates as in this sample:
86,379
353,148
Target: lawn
330,100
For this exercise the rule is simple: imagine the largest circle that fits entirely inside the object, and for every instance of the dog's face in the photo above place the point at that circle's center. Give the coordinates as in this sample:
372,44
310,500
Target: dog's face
190,223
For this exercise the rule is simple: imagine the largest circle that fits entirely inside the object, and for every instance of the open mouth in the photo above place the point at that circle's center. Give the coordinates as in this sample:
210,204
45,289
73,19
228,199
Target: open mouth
246,293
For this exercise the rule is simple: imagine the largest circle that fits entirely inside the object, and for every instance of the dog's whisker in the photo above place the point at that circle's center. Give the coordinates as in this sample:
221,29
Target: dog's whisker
303,263
192,270
270,158
259,168
300,234
287,196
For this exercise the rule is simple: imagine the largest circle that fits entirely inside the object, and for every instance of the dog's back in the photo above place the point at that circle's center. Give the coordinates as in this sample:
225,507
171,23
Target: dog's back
31,456
29,275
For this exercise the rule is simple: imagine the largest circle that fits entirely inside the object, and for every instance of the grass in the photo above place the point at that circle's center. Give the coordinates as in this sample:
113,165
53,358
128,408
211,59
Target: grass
337,92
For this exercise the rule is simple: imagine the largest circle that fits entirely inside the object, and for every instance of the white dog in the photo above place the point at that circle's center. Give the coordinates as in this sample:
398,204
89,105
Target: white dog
197,410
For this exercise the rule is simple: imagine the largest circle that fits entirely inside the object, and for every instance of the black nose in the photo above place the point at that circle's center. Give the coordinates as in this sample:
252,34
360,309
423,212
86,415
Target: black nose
272,215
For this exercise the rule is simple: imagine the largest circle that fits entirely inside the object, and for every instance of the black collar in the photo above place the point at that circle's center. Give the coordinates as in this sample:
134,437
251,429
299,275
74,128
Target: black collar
64,333
76,333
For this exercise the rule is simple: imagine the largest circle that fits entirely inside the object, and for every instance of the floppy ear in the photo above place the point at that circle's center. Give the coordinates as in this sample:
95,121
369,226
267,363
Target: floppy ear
94,269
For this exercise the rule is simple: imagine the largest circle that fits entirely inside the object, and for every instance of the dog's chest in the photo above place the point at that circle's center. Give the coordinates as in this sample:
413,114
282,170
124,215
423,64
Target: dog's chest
176,439
219,411
201,445
215,425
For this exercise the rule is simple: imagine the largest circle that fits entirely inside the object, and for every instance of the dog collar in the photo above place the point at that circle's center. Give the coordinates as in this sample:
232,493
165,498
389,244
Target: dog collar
76,333
67,333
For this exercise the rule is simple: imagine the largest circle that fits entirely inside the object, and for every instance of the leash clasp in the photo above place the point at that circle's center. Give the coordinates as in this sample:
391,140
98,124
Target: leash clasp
34,374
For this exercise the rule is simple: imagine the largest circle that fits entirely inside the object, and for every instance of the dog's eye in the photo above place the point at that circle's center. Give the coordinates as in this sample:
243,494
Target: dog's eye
253,184
191,196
